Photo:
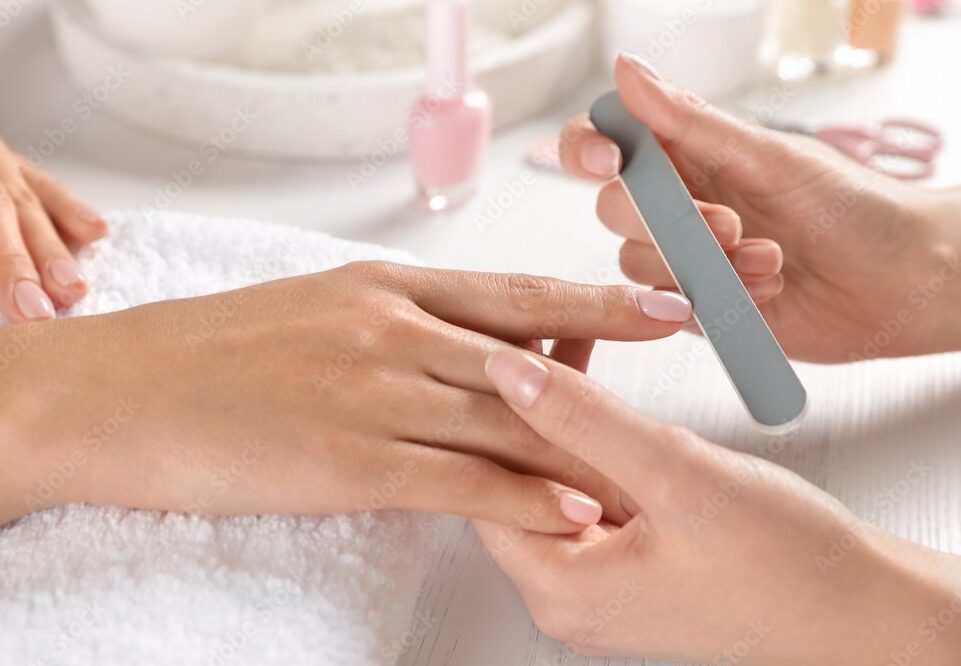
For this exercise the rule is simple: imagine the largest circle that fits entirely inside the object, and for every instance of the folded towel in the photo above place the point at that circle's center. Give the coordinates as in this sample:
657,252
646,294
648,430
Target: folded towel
84,585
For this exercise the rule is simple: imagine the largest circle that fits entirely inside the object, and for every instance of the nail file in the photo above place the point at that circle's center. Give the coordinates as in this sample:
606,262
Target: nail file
731,322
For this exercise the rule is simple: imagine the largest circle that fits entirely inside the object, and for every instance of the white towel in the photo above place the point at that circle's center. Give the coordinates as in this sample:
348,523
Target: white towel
82,585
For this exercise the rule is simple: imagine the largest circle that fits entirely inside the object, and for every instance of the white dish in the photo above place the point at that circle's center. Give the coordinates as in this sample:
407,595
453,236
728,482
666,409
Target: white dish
307,115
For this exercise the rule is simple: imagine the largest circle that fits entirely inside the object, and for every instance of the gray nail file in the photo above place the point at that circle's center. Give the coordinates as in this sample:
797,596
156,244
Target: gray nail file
752,357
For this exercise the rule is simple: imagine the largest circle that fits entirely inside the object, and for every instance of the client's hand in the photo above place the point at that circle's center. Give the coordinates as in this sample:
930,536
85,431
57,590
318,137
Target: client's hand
358,388
39,221
730,559
862,260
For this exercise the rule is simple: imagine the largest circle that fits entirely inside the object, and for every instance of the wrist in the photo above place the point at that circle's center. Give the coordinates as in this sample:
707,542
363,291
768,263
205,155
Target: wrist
916,594
938,285
20,403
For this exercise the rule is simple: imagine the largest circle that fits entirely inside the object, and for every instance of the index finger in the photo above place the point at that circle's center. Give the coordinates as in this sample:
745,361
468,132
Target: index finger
526,307
586,153
576,414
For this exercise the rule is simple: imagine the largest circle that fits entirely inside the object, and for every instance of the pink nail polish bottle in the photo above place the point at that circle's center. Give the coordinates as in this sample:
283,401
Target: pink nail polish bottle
450,126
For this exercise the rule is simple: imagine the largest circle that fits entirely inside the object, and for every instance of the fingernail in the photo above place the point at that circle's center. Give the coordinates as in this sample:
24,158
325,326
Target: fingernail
89,215
65,272
727,228
765,290
518,377
640,65
664,306
601,158
762,259
581,509
32,302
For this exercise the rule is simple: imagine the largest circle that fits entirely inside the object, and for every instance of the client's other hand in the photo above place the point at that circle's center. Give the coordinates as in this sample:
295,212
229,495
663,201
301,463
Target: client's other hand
40,220
846,263
729,558
358,388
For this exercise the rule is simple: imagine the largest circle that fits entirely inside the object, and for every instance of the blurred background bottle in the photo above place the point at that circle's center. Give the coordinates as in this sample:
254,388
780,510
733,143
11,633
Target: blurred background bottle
874,26
809,34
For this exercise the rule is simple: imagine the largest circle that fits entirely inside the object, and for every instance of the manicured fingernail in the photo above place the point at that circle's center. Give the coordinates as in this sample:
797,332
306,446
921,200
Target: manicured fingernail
580,509
89,215
65,272
766,289
726,226
760,259
601,158
32,301
639,65
518,377
664,306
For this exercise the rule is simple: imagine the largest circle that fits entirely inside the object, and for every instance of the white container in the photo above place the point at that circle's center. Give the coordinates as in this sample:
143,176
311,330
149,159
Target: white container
306,115
708,46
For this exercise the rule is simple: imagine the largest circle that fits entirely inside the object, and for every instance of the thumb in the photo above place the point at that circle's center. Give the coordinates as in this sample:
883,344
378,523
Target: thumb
696,134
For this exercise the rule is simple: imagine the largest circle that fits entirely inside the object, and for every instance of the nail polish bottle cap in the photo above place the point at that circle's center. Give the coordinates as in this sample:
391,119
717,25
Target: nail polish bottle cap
448,33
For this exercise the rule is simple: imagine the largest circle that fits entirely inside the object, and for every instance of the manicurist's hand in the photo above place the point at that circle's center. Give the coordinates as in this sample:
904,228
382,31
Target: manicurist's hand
40,221
729,560
357,388
847,263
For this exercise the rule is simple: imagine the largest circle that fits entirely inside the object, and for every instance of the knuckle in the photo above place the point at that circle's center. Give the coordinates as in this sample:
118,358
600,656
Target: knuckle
22,195
527,292
572,417
522,437
16,265
472,477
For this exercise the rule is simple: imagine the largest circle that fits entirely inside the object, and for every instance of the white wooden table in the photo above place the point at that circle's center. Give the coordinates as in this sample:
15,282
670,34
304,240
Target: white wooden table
867,424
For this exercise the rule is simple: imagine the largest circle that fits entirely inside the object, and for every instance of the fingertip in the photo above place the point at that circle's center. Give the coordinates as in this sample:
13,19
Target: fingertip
724,222
586,153
29,303
580,509
766,290
664,306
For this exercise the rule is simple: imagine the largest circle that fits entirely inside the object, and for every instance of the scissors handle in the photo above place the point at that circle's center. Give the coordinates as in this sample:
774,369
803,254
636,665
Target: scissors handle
869,146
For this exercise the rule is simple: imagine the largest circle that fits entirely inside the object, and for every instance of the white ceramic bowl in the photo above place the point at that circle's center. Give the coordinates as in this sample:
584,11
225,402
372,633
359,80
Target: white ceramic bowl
307,115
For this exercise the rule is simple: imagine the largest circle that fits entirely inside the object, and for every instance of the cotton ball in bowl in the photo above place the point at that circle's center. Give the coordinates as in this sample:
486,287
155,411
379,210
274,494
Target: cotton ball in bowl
191,29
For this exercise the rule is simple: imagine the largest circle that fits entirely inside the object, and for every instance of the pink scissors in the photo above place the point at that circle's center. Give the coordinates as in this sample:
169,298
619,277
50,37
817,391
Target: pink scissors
897,147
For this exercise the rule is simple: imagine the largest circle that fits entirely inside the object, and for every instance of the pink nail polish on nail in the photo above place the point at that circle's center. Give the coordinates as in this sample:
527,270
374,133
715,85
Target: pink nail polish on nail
518,377
32,301
601,158
450,127
664,306
65,272
580,509
640,65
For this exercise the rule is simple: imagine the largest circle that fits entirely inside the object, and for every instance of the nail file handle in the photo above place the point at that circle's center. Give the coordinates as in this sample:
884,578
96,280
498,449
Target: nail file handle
723,308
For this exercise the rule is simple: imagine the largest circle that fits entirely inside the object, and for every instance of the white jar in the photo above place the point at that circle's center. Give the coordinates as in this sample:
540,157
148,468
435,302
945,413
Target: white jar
708,46
812,28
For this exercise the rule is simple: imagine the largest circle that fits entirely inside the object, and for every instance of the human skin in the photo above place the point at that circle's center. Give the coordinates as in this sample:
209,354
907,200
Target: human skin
358,388
40,222
758,580
846,264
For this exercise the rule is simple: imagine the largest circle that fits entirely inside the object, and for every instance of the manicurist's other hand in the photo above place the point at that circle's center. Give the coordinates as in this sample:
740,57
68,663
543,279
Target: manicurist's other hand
40,222
729,559
846,263
358,388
